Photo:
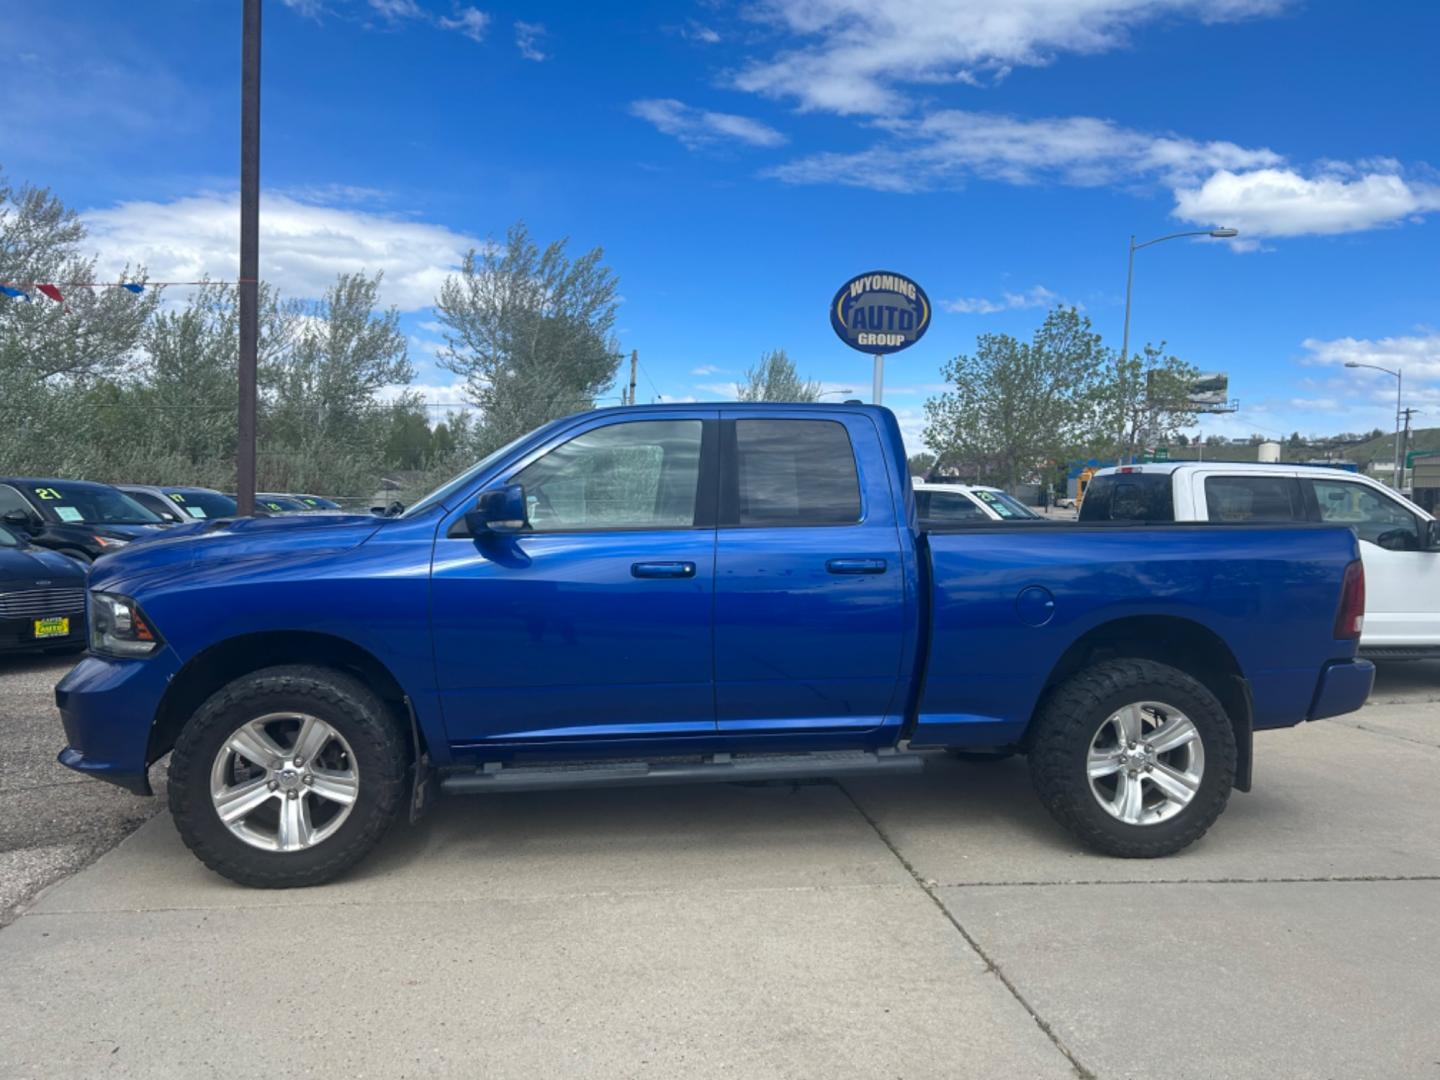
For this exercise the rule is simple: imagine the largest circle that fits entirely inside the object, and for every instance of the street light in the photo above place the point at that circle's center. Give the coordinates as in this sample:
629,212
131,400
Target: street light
1218,234
1399,382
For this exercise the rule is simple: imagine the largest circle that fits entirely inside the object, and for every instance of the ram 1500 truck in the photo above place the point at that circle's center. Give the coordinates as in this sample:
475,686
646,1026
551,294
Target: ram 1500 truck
694,593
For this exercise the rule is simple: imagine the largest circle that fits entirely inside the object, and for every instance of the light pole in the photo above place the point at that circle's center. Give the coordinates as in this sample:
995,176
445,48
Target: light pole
1399,382
1218,234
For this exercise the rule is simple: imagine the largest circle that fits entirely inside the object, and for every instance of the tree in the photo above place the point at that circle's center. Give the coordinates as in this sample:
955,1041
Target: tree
774,378
530,332
1016,404
52,354
920,464
1144,401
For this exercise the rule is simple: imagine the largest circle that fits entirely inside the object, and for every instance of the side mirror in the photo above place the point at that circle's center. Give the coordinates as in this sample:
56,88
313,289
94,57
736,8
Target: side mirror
17,519
503,510
1432,535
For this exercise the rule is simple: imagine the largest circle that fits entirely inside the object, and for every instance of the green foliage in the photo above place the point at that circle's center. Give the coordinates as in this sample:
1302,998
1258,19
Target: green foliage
774,378
1015,405
1143,402
530,332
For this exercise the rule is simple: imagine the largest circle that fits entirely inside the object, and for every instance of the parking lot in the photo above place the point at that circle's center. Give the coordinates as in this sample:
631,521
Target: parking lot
932,926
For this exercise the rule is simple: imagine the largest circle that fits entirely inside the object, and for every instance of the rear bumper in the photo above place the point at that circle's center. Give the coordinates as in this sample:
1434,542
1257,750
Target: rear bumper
1343,687
108,708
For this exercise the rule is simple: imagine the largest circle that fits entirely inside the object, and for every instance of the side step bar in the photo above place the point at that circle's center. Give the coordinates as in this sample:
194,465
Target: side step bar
710,768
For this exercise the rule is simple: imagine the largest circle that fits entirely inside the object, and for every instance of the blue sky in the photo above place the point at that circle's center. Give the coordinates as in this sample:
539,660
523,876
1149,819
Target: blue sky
738,161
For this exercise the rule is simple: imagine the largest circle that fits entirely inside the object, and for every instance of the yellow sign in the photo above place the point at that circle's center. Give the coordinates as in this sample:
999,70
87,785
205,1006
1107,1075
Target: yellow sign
56,627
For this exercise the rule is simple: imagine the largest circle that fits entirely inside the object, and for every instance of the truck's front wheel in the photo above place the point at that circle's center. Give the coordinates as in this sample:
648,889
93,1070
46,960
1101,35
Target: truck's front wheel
1134,757
287,776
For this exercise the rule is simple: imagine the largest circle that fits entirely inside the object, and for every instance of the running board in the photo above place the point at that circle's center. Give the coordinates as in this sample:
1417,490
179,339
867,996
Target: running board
1401,652
710,768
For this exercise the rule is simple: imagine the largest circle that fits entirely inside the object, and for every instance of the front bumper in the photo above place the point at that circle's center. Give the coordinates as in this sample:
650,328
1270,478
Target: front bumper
108,708
18,635
1343,687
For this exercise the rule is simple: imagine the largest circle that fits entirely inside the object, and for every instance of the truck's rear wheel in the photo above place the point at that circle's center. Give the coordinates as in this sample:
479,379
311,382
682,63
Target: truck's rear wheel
1133,757
287,776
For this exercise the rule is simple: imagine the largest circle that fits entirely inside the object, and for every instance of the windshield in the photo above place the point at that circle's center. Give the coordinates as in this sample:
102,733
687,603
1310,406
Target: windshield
201,504
1006,506
315,502
279,504
89,505
447,490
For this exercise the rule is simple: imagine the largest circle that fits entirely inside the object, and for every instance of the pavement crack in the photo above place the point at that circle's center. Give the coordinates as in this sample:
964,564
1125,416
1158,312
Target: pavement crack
1067,883
1385,733
991,965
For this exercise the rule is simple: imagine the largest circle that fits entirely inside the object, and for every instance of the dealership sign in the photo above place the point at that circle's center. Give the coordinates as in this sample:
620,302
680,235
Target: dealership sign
880,312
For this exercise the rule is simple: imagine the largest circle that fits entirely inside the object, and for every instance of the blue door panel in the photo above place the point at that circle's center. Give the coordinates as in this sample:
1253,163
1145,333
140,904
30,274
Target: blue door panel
544,636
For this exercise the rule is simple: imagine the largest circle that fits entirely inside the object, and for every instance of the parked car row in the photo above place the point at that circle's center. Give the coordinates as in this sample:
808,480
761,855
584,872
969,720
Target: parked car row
50,530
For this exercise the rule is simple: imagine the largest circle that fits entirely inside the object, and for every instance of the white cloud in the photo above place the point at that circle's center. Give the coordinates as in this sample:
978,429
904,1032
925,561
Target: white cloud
952,145
698,127
1416,355
302,245
856,52
698,32
527,38
397,9
1033,297
1281,202
311,9
707,369
472,22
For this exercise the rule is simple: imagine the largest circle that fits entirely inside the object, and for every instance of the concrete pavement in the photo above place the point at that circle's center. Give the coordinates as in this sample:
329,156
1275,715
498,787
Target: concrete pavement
903,927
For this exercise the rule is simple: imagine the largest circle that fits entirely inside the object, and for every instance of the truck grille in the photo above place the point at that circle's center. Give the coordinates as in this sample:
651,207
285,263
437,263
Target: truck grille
41,602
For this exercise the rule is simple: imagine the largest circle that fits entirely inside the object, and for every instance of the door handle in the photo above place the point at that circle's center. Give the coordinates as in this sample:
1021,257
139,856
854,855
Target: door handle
856,566
662,569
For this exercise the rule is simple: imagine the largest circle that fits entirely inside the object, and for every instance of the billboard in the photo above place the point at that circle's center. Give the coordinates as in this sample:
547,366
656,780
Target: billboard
1209,390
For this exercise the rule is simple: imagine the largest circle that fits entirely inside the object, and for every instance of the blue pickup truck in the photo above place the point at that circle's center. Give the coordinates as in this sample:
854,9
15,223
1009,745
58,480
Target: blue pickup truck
692,593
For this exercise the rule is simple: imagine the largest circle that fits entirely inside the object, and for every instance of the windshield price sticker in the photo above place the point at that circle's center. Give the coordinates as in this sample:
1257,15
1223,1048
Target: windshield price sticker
880,312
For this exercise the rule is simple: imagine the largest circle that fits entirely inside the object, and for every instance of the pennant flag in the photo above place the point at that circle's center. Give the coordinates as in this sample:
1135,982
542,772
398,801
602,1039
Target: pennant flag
52,292
19,294
134,287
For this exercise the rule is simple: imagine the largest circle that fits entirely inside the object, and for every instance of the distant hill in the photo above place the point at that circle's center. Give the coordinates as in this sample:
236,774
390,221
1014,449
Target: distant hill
1362,453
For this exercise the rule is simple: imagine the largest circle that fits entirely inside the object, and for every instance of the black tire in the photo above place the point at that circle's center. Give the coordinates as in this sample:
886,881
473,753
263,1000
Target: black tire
1068,720
343,702
981,757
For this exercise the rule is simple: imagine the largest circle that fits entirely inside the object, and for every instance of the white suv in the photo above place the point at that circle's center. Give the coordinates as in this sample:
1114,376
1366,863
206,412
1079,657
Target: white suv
958,503
1398,540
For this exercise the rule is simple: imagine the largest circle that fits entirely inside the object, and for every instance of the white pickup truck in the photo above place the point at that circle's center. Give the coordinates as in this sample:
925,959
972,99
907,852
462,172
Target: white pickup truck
1399,542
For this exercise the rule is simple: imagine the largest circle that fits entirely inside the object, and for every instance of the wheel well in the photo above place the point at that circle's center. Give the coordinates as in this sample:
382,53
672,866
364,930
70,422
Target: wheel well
227,661
1180,643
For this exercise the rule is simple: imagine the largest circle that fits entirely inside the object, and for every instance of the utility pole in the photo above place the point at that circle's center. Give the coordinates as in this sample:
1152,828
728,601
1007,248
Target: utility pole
249,254
634,364
1405,446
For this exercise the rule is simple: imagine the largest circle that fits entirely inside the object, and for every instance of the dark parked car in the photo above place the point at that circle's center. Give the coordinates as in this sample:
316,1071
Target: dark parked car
42,597
181,503
274,503
318,502
74,517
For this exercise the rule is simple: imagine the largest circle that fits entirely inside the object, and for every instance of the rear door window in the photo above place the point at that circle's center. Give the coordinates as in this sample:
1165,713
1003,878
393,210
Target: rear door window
1242,499
1129,497
795,472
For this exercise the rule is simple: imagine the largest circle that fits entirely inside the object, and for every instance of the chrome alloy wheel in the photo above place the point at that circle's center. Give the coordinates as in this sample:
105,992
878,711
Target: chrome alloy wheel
1145,762
284,781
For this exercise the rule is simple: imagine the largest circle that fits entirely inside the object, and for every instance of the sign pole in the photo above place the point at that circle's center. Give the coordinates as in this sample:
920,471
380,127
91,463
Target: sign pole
879,388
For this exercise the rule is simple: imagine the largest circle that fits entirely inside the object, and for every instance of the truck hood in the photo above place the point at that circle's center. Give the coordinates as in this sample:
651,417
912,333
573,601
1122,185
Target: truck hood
231,542
26,567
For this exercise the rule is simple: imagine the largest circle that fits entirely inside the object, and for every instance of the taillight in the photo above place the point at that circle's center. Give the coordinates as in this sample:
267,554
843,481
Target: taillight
1350,619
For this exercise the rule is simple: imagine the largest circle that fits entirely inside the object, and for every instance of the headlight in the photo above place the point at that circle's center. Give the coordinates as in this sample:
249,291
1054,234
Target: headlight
109,542
119,628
